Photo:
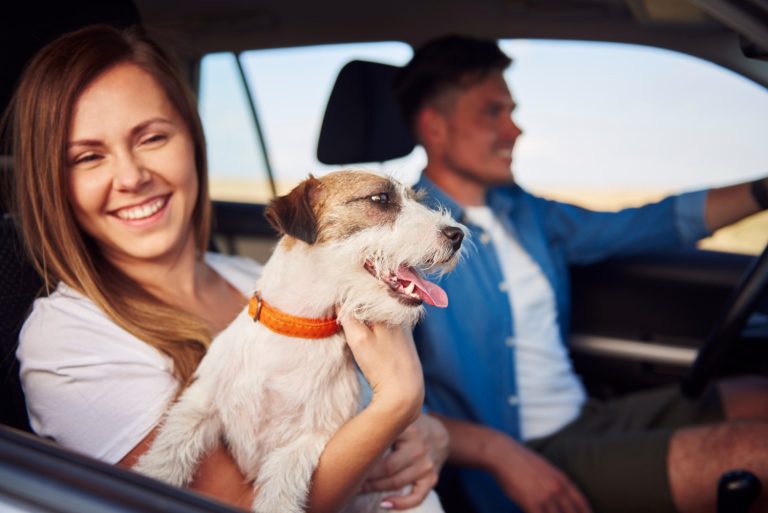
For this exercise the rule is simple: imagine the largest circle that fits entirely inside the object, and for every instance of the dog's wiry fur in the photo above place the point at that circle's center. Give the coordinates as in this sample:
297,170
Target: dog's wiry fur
276,401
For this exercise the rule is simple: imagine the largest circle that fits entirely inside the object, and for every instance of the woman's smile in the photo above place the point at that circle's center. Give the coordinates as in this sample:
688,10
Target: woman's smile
143,213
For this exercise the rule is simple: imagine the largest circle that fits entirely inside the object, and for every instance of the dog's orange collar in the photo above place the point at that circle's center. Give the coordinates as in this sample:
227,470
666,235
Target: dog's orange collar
290,325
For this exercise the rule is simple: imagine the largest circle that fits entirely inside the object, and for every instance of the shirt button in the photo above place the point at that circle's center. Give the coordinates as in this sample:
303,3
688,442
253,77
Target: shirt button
510,341
513,400
503,286
485,238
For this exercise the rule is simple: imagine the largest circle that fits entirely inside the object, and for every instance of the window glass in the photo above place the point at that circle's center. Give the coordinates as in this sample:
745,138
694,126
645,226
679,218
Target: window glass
290,88
611,125
236,164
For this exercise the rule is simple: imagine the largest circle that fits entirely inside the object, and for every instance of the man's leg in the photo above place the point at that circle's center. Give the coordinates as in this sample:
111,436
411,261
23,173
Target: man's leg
658,451
699,455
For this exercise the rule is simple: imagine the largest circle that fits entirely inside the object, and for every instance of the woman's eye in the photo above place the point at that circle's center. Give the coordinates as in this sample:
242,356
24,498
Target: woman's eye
86,158
153,139
381,197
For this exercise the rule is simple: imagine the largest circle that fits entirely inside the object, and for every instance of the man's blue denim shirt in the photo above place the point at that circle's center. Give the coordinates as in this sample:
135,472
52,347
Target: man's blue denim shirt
467,349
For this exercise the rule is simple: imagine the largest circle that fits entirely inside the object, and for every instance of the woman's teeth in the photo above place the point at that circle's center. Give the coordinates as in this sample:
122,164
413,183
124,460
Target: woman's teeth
142,211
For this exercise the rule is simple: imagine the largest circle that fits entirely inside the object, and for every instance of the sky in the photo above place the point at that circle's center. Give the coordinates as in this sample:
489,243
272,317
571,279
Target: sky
593,115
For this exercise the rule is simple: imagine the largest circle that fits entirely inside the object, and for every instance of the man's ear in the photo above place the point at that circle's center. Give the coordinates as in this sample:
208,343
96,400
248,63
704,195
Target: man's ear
431,125
293,214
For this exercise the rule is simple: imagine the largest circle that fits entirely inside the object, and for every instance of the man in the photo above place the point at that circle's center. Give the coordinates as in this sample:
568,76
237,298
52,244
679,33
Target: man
497,369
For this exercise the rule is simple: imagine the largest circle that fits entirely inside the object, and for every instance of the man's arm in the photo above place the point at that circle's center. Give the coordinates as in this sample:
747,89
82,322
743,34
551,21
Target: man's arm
527,478
726,205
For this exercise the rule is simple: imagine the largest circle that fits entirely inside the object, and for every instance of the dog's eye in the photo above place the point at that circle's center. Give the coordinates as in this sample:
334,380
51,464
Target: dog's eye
381,197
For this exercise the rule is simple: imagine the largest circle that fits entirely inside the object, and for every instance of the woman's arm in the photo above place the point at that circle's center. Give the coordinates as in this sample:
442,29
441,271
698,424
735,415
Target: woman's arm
387,358
217,475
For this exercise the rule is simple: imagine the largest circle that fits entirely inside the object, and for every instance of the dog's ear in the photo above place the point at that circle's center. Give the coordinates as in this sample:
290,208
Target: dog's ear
293,215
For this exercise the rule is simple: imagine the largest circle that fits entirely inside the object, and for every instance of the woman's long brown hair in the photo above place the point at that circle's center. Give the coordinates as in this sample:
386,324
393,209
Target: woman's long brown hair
41,116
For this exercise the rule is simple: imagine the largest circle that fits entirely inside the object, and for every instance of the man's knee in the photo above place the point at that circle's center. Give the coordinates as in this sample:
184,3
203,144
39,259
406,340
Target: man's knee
699,455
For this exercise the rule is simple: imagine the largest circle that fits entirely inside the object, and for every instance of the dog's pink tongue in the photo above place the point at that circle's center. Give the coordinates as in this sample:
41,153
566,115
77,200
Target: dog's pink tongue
427,291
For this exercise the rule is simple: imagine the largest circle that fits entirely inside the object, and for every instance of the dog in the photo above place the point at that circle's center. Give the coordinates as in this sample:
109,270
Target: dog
352,242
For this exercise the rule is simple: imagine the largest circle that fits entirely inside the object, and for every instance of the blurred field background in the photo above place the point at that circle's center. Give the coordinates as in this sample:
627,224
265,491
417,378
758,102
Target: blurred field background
749,236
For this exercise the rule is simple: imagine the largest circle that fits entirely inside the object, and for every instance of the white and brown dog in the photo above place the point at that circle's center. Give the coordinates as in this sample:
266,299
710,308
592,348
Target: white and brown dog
353,242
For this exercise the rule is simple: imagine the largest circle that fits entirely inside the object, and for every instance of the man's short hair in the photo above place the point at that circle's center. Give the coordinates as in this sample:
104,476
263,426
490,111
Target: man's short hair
448,62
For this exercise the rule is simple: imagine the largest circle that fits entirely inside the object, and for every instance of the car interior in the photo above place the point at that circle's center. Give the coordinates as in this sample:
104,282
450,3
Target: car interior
674,317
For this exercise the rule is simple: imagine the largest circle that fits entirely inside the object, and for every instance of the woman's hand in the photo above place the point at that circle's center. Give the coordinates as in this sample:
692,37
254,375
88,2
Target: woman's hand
387,358
416,459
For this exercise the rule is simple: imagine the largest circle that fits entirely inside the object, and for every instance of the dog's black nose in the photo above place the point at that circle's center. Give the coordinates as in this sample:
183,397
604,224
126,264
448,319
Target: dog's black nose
455,235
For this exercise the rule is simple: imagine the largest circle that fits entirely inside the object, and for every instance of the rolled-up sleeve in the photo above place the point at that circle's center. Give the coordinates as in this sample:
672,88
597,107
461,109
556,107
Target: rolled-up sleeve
689,216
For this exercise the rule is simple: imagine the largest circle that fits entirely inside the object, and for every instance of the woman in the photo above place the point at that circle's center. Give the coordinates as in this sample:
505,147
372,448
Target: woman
110,160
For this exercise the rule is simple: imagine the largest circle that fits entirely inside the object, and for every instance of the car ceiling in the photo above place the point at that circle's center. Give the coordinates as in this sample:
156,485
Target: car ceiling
699,27
728,32
246,24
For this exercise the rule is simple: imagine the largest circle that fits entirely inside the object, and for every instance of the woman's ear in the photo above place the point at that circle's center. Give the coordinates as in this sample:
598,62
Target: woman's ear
293,214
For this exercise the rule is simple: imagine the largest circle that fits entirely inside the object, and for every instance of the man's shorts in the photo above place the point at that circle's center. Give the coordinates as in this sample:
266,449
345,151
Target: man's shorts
616,451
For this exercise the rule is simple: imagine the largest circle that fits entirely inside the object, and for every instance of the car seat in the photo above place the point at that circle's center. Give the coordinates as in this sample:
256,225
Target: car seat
19,284
362,121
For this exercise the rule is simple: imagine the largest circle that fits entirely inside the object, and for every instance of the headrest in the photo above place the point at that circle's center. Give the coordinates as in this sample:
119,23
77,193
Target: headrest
362,121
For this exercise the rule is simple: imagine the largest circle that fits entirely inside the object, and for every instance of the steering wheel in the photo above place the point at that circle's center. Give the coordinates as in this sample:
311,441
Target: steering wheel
742,303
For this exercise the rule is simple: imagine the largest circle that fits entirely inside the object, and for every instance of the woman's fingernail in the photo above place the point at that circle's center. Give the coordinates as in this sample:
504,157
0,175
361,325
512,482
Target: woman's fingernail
386,505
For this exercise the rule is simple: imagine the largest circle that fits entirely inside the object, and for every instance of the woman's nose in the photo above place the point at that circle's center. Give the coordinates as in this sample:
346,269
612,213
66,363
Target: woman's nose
129,174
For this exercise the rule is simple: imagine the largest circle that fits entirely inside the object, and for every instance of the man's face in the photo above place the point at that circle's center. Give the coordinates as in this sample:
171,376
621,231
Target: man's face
479,133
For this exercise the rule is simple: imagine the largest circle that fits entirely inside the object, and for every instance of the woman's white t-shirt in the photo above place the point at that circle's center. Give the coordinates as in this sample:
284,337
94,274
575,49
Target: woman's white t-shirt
90,385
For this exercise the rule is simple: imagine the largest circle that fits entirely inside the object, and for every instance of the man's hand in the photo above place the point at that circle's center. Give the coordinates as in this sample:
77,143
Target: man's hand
536,485
416,459
528,479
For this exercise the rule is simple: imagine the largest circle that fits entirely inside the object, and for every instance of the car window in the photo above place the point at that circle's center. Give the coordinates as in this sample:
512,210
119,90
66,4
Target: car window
610,125
605,125
290,88
237,166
